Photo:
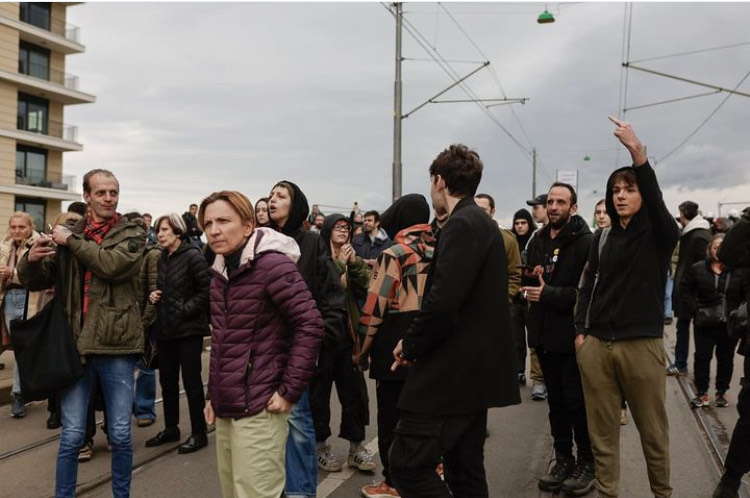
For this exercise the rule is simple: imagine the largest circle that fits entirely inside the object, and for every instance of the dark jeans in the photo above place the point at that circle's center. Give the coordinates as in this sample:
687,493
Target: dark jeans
182,354
705,341
421,440
388,393
737,462
337,366
519,316
567,409
682,346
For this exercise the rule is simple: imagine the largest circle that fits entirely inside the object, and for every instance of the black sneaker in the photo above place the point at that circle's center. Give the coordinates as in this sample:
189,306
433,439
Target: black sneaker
53,422
727,488
564,466
17,408
581,480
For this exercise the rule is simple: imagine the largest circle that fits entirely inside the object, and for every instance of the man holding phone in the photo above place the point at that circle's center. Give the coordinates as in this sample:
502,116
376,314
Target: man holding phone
103,253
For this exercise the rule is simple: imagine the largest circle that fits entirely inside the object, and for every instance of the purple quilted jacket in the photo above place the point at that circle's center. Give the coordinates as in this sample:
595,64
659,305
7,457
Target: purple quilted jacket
267,329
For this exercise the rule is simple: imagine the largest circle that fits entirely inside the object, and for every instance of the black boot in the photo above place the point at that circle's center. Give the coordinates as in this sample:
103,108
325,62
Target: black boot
564,465
193,443
169,435
581,480
53,422
727,488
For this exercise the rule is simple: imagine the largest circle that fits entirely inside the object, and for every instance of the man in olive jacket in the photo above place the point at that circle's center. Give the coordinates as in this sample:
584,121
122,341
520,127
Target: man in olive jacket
100,257
459,347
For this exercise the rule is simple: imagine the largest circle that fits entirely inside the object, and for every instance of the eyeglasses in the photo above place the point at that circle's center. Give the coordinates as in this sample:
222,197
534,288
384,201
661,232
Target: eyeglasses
342,228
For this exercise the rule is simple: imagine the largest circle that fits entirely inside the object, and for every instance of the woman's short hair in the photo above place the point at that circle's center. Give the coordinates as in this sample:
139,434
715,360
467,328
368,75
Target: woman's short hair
175,222
237,200
718,236
26,216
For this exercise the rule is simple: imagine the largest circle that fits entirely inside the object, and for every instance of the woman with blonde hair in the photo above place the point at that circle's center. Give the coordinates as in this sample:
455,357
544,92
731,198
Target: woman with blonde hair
265,340
12,294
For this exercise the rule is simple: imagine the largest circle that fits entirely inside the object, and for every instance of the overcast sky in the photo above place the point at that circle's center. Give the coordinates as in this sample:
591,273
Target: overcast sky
195,97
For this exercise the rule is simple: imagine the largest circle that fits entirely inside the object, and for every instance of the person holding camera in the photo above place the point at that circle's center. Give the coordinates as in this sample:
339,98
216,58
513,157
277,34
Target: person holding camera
710,291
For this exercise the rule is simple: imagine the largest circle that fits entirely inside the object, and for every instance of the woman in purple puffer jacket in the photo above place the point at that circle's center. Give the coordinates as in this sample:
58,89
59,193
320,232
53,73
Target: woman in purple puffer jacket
265,341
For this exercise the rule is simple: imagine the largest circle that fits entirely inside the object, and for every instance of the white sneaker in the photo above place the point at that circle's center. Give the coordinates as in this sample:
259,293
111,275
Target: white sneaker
361,460
327,461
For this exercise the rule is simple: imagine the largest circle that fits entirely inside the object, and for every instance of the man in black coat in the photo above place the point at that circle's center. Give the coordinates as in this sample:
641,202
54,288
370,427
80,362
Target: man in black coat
557,255
735,251
459,347
694,240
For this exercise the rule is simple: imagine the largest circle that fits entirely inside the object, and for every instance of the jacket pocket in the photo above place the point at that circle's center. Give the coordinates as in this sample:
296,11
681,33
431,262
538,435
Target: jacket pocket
114,324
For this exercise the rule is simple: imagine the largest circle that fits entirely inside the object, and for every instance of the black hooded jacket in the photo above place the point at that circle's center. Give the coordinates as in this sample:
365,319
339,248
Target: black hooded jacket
317,270
551,324
523,214
628,301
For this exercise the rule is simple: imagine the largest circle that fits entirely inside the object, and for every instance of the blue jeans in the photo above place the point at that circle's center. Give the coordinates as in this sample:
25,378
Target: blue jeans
668,312
116,377
682,346
145,392
301,452
13,304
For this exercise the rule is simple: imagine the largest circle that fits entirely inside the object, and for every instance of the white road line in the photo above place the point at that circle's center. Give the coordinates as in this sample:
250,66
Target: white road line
336,479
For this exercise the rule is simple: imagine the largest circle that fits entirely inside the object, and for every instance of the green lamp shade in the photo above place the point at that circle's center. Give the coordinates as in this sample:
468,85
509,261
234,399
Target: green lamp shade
545,17
587,158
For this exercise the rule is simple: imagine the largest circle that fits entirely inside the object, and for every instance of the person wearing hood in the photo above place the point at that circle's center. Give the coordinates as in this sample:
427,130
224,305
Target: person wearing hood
373,240
696,235
557,255
620,321
182,284
336,363
264,345
396,290
288,210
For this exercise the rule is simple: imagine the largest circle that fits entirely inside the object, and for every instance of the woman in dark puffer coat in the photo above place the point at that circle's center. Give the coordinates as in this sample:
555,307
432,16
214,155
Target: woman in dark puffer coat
182,321
266,337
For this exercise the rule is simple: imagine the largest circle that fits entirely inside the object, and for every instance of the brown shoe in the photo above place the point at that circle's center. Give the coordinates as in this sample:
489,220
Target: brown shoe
145,422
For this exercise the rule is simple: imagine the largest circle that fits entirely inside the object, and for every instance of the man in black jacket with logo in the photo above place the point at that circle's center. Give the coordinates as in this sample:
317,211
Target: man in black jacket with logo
620,321
459,347
557,255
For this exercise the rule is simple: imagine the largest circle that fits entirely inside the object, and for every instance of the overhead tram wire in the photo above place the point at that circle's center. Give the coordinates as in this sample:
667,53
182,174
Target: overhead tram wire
422,41
627,23
692,134
691,52
493,73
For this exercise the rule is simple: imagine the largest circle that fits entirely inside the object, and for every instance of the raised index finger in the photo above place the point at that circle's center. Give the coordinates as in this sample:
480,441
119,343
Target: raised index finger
615,120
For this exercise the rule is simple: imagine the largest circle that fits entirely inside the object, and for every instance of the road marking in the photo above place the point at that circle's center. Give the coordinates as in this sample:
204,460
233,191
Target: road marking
336,479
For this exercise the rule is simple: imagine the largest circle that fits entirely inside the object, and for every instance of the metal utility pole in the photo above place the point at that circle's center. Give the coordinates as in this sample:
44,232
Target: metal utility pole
397,107
533,173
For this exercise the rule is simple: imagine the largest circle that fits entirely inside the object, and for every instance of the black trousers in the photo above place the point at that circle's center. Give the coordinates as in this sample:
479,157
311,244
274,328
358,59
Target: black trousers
567,410
519,317
737,462
706,339
182,354
337,366
388,392
419,443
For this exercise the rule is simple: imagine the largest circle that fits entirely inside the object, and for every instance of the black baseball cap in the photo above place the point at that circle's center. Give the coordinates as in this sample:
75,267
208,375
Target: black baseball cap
539,199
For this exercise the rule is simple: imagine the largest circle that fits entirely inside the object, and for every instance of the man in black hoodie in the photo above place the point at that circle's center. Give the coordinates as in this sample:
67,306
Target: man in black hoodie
557,255
620,321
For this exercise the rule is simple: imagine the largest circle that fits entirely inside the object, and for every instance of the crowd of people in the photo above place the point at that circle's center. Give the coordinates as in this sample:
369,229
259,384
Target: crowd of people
442,315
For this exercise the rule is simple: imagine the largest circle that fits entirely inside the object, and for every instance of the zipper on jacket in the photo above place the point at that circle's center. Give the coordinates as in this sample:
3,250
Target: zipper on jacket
248,368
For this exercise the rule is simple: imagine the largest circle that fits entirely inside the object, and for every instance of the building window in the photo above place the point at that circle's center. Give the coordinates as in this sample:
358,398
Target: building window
36,13
31,166
32,113
36,208
34,61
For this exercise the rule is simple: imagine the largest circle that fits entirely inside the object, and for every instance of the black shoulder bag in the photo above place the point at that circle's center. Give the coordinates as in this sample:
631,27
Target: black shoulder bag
715,314
45,349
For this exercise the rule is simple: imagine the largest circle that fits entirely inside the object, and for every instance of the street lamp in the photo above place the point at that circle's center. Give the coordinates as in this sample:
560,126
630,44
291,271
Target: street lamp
545,17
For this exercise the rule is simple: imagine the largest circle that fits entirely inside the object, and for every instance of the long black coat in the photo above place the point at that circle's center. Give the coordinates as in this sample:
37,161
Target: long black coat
184,280
693,247
700,288
461,340
551,324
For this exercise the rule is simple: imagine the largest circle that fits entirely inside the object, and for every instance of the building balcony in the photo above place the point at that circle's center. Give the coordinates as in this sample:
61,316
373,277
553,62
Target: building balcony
50,186
60,37
51,135
49,84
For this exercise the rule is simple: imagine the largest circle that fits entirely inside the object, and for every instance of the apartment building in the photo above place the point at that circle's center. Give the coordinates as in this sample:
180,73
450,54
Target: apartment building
35,40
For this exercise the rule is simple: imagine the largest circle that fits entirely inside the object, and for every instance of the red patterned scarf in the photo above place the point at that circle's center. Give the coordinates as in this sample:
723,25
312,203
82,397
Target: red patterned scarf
96,231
